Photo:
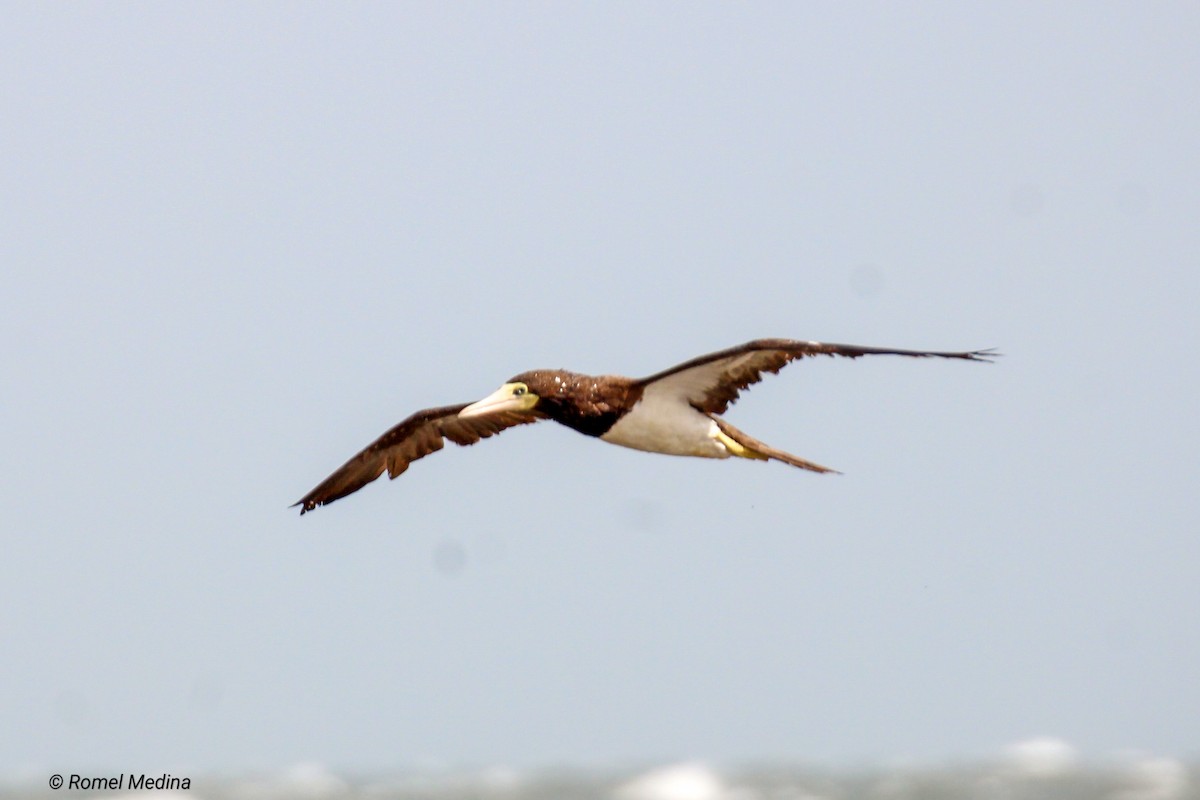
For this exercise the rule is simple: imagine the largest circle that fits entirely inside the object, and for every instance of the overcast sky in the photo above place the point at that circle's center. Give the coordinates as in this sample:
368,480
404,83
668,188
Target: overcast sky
239,241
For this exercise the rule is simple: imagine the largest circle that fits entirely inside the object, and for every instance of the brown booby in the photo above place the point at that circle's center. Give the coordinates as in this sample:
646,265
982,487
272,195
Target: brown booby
676,411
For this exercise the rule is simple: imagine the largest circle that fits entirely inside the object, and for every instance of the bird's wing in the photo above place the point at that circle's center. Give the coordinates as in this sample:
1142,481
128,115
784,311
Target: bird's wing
416,437
712,382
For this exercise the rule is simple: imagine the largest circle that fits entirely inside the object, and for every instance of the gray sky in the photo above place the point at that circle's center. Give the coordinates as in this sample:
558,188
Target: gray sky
240,241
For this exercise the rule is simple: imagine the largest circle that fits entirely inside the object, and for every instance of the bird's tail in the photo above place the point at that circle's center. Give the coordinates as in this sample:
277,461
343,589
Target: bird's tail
742,444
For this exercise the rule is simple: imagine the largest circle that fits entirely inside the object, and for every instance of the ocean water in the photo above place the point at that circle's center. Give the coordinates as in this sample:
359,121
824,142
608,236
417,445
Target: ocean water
1042,769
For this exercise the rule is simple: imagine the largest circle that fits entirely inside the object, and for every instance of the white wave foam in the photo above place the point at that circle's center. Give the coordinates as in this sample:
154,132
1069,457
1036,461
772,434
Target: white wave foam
691,780
1154,778
1041,757
304,781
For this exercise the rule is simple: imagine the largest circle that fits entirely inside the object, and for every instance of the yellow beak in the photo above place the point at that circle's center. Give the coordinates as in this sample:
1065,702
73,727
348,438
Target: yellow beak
503,399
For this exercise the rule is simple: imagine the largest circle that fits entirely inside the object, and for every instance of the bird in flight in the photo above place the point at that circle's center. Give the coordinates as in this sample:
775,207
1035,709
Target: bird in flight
676,411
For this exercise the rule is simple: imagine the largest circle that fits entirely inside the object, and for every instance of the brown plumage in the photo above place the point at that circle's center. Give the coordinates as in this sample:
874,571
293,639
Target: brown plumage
674,411
744,365
590,404
415,437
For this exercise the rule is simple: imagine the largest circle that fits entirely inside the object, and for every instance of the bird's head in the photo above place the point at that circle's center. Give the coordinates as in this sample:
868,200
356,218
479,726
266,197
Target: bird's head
516,395
539,390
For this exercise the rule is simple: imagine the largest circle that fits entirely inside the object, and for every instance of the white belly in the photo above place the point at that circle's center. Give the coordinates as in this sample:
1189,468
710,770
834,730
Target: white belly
666,426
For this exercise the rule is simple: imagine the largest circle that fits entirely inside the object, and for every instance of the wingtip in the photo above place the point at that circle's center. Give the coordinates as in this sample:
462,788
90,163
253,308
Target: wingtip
987,355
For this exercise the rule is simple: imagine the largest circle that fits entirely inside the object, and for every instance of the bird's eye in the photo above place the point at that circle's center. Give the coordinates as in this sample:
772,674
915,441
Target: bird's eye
518,391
